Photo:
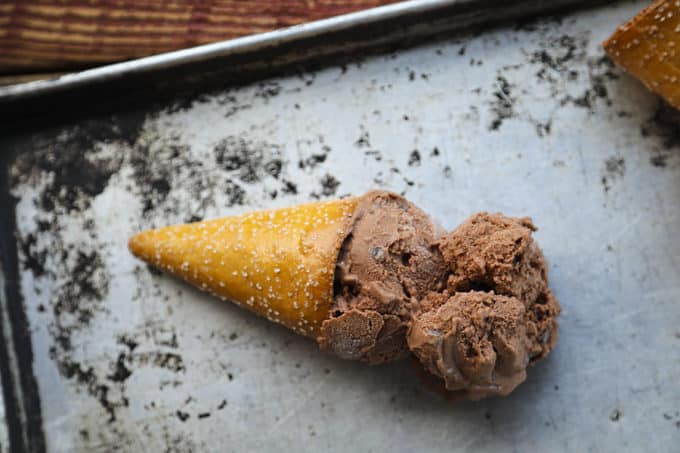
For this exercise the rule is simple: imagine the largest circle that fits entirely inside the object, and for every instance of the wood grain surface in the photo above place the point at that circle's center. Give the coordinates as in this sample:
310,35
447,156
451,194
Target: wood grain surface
53,35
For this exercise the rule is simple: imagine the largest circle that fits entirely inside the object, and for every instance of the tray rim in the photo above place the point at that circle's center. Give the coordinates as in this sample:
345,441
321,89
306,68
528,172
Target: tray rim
236,46
251,44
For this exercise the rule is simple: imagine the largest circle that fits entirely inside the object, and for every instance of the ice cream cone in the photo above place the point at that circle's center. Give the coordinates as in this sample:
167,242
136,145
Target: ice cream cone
648,46
276,263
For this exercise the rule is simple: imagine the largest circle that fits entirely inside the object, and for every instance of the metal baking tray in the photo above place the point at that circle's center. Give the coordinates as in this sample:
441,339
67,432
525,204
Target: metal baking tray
100,353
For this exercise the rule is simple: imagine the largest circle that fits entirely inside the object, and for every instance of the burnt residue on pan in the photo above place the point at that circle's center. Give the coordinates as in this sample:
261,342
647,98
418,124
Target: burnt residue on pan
663,128
614,169
70,175
71,167
503,104
563,67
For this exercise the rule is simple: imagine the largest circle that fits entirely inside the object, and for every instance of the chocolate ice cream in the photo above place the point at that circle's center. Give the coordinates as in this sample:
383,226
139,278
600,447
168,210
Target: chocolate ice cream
472,305
387,264
491,252
475,341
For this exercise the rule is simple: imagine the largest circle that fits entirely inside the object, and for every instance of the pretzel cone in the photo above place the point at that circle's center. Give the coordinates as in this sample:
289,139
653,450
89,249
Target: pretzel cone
648,46
277,263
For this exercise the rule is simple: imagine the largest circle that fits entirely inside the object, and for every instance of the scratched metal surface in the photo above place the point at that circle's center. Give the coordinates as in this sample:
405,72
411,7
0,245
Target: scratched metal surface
4,438
528,121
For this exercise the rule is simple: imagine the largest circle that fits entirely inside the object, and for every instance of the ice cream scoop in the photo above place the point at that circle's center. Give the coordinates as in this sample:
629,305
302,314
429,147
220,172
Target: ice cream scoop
373,278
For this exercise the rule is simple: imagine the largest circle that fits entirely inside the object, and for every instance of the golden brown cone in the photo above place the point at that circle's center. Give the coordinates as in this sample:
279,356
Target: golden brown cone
278,263
648,46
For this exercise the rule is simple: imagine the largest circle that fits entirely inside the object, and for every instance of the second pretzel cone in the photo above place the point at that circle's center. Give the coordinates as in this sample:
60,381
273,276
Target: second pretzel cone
372,278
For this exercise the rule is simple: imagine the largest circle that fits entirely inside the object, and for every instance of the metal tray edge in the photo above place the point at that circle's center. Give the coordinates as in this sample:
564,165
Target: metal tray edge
258,42
246,44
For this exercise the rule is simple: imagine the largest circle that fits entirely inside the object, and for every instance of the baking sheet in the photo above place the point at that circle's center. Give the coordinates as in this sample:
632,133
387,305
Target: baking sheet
529,120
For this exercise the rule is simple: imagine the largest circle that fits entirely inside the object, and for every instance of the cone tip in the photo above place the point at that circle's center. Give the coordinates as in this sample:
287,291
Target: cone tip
136,244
